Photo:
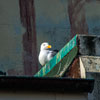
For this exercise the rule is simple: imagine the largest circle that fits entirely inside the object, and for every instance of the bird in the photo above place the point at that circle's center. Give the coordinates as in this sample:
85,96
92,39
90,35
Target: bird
46,54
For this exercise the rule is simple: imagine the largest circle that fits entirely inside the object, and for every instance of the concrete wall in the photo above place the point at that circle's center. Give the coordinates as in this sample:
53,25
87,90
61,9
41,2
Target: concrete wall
24,25
95,95
41,96
11,32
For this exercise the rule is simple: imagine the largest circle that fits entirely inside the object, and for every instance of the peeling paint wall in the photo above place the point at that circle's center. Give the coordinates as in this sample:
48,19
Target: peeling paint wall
11,32
25,24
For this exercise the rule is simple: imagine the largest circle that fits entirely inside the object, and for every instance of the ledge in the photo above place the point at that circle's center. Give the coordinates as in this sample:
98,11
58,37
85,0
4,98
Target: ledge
25,83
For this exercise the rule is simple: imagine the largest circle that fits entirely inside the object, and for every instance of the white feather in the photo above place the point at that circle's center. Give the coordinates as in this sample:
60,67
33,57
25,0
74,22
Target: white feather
45,54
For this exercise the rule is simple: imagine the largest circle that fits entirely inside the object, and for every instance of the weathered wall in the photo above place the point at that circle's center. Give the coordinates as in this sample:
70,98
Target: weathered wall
41,96
95,95
25,24
11,32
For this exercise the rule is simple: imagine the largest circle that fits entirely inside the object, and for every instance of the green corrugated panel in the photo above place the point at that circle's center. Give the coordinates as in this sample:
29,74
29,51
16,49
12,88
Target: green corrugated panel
71,47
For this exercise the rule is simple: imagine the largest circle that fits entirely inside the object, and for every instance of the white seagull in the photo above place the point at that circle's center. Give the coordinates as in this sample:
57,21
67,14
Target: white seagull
46,54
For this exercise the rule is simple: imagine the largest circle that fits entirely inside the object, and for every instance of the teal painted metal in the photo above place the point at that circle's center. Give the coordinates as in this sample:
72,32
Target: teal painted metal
60,68
57,58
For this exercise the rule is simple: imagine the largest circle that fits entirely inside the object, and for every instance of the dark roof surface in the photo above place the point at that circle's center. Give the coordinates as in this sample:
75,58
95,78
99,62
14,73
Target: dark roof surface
45,84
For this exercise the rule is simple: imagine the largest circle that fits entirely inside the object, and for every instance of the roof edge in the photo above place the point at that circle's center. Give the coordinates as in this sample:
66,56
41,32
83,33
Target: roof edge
51,84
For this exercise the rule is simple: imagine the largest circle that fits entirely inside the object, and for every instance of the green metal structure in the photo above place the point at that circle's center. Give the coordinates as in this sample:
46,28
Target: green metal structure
57,66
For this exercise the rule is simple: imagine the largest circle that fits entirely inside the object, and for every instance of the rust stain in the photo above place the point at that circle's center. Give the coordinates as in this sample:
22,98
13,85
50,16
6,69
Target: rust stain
77,17
74,71
27,14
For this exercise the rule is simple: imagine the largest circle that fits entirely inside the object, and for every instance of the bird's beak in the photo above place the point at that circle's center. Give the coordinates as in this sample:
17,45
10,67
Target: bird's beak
49,46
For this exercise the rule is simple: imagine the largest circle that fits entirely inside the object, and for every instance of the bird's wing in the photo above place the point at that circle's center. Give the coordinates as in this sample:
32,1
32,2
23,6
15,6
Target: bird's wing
53,53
